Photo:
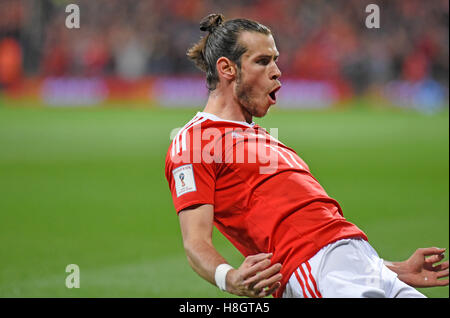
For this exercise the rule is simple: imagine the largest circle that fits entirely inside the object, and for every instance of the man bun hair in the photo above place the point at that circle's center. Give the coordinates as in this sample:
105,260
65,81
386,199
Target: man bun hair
221,40
196,53
211,22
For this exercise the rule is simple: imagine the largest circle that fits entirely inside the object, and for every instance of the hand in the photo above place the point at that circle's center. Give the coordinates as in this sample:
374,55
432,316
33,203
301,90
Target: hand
255,277
419,270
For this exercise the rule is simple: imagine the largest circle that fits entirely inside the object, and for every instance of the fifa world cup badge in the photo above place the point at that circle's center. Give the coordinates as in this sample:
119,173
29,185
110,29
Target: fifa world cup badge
182,179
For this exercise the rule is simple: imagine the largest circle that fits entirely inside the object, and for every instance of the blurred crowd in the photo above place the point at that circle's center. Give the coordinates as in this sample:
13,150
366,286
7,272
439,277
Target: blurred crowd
317,39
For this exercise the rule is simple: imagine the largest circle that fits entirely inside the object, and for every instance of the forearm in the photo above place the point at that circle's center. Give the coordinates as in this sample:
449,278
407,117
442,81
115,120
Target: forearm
255,277
204,259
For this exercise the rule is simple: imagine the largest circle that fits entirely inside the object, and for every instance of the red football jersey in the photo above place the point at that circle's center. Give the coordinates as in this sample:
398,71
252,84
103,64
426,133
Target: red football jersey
265,198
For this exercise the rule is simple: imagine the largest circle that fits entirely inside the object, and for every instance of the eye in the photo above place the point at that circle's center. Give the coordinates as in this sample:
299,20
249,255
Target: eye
263,61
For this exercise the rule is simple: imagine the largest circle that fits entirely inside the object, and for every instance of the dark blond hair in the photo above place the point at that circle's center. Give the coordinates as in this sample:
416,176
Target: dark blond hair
221,40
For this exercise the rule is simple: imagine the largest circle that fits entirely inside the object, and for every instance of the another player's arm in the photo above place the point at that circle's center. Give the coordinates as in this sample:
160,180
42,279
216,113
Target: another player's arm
420,270
256,277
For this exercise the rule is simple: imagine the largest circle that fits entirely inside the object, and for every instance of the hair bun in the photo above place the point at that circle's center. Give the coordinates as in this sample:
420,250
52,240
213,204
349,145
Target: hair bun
210,22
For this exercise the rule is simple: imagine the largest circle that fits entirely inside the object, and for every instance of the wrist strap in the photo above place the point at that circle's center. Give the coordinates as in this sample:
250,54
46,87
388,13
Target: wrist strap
221,275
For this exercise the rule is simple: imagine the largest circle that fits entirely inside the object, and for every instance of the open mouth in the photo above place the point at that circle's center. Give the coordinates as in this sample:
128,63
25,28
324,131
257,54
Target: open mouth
273,95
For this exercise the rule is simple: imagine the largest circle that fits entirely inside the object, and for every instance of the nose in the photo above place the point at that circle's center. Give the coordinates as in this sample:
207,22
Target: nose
276,72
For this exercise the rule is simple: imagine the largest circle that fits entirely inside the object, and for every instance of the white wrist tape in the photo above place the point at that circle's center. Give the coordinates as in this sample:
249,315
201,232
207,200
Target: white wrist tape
221,275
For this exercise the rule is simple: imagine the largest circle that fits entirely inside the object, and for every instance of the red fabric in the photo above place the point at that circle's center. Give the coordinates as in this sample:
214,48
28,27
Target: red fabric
285,212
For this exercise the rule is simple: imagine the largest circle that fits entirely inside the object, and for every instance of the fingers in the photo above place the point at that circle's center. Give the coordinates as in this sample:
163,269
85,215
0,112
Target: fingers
265,278
426,251
441,282
435,281
440,267
253,259
256,263
435,258
266,283
441,270
257,277
441,274
268,291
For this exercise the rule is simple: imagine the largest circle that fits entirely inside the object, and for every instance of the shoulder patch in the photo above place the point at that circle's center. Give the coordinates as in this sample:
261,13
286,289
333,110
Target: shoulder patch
184,179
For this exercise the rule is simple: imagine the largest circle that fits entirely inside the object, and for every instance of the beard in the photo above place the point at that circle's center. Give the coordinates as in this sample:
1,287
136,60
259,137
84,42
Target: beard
247,97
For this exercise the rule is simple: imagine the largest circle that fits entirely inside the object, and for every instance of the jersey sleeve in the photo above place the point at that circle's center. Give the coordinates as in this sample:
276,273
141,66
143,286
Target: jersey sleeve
190,182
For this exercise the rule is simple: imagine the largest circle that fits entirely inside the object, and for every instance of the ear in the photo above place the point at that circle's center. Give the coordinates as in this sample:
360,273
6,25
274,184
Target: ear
226,68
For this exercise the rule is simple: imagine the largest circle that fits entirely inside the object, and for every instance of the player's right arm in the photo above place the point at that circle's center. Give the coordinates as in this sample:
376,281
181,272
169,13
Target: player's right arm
256,277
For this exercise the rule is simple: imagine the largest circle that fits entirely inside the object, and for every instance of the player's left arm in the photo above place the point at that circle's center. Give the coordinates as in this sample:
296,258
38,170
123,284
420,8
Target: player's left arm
421,269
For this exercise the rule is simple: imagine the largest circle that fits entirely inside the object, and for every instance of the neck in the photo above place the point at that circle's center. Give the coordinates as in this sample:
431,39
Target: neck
226,107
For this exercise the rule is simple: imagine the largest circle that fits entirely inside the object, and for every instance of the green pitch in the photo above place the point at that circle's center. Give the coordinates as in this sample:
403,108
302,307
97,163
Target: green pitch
87,187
